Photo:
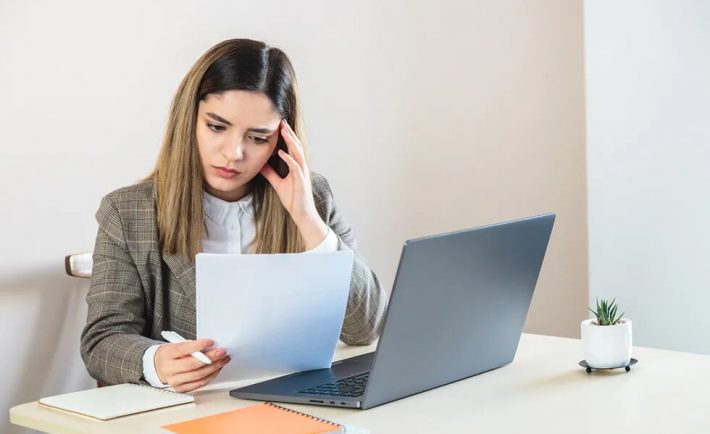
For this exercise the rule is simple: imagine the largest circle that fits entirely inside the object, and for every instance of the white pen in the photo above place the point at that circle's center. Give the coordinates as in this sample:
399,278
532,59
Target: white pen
174,338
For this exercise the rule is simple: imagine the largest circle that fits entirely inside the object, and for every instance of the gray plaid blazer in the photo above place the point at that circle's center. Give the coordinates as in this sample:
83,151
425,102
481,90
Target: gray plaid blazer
137,291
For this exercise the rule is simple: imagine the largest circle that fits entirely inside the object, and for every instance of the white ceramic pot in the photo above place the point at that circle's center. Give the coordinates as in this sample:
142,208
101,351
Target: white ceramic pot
606,346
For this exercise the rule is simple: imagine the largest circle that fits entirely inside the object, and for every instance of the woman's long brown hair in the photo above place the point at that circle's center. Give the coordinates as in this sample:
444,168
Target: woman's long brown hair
235,64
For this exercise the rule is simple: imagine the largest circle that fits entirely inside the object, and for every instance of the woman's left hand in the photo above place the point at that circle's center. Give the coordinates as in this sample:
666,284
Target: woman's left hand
295,191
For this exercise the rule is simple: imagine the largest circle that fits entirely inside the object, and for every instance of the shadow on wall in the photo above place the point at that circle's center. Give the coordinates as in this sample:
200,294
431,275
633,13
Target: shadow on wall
41,316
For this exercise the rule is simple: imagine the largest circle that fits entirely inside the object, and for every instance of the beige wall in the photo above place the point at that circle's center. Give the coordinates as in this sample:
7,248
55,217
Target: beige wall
425,116
463,114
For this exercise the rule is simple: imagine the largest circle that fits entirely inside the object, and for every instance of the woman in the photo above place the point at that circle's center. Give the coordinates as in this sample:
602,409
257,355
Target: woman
232,177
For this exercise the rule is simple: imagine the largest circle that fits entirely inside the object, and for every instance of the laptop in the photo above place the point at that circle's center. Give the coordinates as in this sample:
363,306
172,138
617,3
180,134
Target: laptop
456,310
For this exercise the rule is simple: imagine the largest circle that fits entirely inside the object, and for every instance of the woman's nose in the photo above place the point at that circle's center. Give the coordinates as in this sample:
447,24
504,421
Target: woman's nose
234,150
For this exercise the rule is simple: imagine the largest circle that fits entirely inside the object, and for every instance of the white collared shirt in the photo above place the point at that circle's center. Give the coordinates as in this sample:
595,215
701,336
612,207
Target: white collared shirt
230,225
231,228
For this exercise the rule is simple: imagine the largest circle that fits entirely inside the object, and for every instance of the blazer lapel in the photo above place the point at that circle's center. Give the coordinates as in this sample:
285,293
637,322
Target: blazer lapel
181,268
184,273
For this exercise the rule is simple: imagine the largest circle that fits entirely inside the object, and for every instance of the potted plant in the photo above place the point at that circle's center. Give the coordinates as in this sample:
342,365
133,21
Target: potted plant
607,338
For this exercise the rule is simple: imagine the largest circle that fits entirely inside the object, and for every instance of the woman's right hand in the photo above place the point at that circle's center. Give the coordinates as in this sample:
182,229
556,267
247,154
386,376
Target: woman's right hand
184,373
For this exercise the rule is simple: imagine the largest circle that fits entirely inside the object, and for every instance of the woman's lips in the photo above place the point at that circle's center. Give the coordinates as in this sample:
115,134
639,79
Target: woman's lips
226,173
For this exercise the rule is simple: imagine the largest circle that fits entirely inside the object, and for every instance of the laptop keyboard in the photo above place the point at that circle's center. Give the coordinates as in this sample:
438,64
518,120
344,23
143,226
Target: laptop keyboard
350,387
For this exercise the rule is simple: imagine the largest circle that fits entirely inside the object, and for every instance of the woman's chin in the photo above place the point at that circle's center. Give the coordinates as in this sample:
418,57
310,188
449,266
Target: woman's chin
226,187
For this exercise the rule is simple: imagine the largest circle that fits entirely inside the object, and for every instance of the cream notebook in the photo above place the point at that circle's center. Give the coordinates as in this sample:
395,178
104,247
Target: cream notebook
114,401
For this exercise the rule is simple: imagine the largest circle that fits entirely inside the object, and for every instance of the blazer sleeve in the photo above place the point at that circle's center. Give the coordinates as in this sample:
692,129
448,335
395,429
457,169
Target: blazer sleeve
367,300
112,346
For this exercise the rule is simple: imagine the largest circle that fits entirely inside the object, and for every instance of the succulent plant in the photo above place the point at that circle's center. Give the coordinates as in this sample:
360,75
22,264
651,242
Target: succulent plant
606,313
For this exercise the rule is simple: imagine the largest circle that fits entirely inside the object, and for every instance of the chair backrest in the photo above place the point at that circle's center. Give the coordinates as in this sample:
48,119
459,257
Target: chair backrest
79,264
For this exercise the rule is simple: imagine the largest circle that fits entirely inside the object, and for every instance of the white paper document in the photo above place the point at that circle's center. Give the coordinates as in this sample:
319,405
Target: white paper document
274,314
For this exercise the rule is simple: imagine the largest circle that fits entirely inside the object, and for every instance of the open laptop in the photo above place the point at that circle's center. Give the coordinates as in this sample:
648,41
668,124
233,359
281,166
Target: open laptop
457,309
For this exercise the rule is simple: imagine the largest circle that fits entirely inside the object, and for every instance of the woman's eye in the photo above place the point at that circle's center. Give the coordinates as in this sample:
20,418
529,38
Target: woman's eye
260,140
215,128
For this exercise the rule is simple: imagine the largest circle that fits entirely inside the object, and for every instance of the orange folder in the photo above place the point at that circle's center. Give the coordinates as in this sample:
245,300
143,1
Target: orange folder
266,418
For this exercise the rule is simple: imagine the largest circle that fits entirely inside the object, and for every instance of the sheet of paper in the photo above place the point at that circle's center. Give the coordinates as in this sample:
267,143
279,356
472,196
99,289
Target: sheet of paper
275,314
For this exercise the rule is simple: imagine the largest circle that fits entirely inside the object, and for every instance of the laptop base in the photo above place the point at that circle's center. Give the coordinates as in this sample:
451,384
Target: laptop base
287,388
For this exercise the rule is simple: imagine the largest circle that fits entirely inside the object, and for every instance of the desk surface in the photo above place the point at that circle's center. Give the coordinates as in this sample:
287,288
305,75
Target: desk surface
543,390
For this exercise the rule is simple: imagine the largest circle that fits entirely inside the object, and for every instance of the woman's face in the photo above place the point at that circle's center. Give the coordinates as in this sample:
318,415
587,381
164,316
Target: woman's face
237,132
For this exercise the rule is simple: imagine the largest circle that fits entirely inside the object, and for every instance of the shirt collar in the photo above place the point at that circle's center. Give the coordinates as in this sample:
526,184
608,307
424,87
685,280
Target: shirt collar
217,209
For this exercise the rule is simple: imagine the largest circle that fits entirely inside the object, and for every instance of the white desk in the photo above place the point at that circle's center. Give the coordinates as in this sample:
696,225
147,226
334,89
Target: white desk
542,391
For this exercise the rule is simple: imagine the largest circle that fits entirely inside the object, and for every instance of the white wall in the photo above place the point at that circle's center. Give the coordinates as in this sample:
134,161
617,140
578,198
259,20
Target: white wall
648,138
425,116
